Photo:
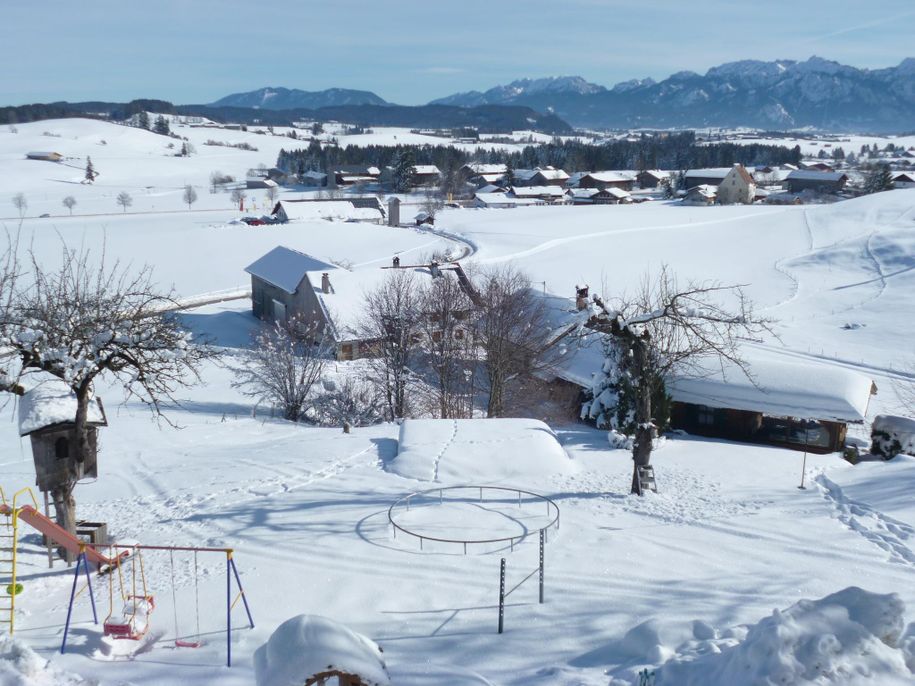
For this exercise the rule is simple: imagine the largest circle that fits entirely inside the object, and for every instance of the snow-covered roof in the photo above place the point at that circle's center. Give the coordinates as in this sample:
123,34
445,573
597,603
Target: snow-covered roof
490,188
285,268
311,174
610,176
784,387
306,645
583,192
711,173
328,209
704,190
576,178
493,177
807,390
425,169
813,175
552,174
537,191
656,173
617,193
479,168
504,199
52,402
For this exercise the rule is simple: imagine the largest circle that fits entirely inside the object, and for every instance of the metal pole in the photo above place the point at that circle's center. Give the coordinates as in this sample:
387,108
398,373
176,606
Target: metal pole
89,584
501,594
804,466
542,540
63,645
241,590
47,539
228,610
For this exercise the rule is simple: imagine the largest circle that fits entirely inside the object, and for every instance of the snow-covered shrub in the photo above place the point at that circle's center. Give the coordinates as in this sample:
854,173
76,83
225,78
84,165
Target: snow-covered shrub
611,401
347,401
892,435
22,666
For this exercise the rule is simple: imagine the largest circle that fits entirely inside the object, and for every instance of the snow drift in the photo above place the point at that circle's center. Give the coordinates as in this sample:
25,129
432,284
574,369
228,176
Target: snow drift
459,451
850,637
892,435
306,645
22,666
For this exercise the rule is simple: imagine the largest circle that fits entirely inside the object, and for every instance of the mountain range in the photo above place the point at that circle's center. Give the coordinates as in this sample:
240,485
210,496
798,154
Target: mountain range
781,94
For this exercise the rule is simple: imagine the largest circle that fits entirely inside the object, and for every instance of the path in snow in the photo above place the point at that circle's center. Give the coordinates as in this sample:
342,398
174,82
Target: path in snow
887,533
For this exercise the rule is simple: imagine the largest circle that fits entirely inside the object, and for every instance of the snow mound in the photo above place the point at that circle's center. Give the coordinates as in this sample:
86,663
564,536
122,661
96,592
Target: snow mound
306,645
22,666
478,451
892,435
851,637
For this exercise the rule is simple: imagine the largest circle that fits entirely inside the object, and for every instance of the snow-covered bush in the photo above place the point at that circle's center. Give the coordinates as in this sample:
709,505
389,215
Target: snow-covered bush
892,435
610,402
22,666
346,401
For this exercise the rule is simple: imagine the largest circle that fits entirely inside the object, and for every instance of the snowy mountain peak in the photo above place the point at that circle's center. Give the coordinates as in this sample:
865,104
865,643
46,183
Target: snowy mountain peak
521,88
632,84
279,98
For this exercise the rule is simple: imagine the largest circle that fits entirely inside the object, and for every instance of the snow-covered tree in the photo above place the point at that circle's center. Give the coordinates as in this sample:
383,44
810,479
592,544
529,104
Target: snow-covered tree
69,202
90,170
878,178
663,330
83,320
283,366
161,126
143,119
404,168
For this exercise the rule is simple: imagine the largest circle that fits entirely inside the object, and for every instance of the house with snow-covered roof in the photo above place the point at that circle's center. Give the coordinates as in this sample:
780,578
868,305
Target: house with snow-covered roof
607,179
737,187
816,181
712,176
904,180
651,178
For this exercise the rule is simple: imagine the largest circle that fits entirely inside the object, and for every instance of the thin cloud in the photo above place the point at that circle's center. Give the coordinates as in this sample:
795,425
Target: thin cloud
859,27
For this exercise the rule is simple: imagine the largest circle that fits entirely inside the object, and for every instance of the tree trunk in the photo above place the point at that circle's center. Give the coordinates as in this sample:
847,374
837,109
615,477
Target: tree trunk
65,514
496,405
644,433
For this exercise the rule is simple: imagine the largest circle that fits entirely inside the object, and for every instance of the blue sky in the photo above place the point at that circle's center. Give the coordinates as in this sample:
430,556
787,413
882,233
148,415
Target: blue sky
411,51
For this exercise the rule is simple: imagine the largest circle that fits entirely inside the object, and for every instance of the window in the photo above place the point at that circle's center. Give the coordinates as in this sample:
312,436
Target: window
62,448
705,416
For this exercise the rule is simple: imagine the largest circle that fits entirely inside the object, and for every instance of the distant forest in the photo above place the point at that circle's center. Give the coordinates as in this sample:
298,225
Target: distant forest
671,151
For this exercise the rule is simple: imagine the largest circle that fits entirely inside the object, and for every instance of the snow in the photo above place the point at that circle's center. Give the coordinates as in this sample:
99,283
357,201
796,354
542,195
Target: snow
893,435
850,637
306,645
51,402
285,268
22,666
779,388
468,451
728,537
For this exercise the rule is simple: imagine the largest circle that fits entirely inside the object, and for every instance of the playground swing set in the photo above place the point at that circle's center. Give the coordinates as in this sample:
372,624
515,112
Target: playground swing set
133,594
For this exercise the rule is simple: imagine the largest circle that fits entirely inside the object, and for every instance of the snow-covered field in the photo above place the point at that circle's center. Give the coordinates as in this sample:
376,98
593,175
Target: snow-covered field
728,539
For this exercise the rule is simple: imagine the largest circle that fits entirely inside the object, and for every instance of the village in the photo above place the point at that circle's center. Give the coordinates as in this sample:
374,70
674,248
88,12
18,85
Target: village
276,418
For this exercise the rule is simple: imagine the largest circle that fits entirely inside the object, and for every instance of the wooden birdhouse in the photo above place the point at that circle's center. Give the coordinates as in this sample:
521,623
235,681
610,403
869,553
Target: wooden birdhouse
47,415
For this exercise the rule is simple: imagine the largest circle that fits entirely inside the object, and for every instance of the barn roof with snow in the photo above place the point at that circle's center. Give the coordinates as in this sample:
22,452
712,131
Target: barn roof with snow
285,268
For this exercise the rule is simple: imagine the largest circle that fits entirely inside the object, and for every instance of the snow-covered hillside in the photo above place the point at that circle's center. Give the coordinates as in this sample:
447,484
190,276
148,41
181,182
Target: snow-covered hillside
693,571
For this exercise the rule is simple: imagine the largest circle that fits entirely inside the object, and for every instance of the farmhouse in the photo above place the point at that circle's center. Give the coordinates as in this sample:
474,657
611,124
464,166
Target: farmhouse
701,195
254,183
904,180
737,187
607,179
789,403
502,200
313,178
816,181
548,176
350,176
546,194
483,174
651,178
44,156
597,196
705,177
353,209
426,175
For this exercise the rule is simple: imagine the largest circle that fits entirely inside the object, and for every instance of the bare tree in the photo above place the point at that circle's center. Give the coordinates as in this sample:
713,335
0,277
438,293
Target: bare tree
21,204
282,368
238,196
84,320
666,329
272,194
70,202
189,196
389,325
124,200
447,344
350,401
510,327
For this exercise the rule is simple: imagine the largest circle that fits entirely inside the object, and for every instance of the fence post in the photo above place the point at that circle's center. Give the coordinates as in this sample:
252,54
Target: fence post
541,564
228,610
501,594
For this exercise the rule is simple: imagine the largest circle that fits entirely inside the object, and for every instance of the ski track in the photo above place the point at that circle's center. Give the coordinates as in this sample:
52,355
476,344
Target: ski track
887,533
438,458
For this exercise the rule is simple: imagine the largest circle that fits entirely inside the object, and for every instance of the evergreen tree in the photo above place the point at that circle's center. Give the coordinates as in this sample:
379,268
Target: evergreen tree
404,169
143,119
879,178
509,173
161,126
90,170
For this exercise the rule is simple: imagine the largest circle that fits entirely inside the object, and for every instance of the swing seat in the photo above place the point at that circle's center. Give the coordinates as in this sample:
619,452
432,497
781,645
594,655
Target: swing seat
179,643
126,628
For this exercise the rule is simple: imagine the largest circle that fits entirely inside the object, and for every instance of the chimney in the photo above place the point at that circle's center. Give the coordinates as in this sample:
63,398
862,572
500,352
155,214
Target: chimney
581,297
325,283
